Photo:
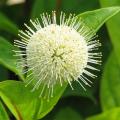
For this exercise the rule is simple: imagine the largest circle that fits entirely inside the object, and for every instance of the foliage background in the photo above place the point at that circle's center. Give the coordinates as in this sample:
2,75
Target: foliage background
100,102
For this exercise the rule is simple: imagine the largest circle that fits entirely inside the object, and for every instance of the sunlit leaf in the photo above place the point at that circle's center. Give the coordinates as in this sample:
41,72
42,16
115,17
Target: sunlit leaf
113,26
19,100
23,103
46,106
110,82
110,97
95,19
113,114
3,113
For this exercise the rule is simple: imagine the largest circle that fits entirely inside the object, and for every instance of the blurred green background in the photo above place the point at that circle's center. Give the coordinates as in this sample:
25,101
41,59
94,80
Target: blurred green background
102,100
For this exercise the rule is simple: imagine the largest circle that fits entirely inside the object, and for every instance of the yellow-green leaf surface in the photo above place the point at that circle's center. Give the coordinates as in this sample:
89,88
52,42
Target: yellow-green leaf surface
110,85
110,96
3,113
46,106
95,19
113,26
24,104
113,114
7,56
19,100
7,25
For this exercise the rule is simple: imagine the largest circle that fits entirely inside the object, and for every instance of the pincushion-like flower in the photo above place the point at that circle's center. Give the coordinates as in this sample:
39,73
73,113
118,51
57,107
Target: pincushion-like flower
57,53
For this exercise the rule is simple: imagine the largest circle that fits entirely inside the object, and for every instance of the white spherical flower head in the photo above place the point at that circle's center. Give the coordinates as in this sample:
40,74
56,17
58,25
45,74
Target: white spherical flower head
57,53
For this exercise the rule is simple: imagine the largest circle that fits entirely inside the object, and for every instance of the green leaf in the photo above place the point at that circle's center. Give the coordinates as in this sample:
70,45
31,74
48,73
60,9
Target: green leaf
113,114
3,113
7,56
111,76
46,106
113,26
67,114
95,19
7,25
110,85
19,100
26,105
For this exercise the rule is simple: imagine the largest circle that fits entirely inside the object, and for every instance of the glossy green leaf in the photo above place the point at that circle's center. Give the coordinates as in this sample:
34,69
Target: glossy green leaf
26,105
95,19
19,100
67,114
110,85
111,75
113,26
3,113
113,114
7,56
7,25
46,106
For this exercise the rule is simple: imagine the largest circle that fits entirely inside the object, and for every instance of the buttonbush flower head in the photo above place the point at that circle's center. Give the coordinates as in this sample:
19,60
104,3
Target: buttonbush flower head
57,52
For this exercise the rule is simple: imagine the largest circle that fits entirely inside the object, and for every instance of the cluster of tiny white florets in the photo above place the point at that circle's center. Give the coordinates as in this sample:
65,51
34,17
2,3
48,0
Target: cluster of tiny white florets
57,53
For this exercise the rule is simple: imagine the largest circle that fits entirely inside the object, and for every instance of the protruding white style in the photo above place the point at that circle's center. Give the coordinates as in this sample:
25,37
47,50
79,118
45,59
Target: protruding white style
54,53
